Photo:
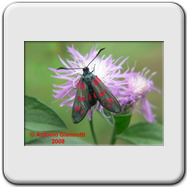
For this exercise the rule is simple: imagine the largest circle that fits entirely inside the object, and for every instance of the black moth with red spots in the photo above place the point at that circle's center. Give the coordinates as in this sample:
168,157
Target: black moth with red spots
90,89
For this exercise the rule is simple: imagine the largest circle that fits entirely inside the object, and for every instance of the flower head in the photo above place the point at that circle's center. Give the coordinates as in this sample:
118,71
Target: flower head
130,89
105,68
137,88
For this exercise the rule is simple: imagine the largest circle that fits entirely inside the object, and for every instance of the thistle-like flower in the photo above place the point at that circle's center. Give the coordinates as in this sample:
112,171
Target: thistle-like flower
105,68
137,88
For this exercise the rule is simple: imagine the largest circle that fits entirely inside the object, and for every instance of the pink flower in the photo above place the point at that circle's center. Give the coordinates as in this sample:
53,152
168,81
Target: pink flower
105,68
137,88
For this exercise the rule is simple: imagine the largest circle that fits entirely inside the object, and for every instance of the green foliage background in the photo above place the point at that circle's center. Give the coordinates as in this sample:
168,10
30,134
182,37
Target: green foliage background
39,56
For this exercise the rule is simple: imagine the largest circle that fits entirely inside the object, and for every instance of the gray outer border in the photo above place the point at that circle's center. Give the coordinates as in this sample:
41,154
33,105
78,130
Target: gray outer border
181,114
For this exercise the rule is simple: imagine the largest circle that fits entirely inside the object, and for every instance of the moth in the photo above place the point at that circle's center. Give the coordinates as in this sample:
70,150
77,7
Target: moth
91,89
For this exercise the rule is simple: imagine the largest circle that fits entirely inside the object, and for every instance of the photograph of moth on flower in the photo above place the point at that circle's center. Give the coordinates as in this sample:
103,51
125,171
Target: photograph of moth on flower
93,93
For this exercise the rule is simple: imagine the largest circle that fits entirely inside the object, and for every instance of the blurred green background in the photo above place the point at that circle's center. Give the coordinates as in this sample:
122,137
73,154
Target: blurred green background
39,56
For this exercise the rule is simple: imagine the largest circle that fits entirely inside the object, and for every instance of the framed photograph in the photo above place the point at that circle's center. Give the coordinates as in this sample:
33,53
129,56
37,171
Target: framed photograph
94,93
119,86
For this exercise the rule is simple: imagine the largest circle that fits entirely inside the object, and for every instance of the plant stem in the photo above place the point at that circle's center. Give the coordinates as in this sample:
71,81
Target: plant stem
113,138
93,134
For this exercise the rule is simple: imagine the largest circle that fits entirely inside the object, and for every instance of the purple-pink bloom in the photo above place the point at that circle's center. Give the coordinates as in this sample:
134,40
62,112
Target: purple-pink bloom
130,89
137,88
104,67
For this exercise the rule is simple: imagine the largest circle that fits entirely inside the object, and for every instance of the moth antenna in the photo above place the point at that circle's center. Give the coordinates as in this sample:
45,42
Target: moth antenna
96,56
93,69
67,68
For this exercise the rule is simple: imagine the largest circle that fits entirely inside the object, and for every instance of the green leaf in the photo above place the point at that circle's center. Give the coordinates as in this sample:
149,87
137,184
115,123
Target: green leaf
122,122
48,141
144,133
27,136
39,117
110,120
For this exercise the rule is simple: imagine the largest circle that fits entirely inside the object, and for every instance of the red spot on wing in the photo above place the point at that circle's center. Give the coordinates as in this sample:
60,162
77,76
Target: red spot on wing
95,82
82,86
94,95
79,98
77,108
101,94
111,100
109,105
79,84
83,99
97,79
81,111
90,97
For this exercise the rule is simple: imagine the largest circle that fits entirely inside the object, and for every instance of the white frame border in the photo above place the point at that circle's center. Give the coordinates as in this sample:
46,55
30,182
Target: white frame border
43,22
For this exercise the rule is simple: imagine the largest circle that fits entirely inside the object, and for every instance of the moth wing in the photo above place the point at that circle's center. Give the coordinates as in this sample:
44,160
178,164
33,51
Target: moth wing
104,96
81,103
